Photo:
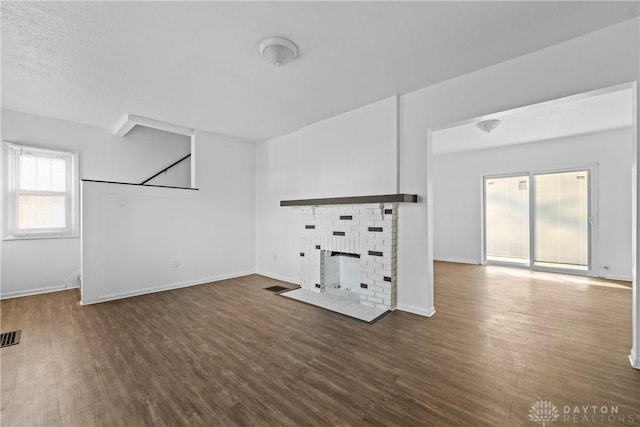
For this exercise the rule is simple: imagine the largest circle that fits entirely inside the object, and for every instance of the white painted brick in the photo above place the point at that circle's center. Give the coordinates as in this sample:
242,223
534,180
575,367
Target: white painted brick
367,303
366,292
386,291
383,271
379,246
386,299
382,261
366,281
379,281
374,299
357,240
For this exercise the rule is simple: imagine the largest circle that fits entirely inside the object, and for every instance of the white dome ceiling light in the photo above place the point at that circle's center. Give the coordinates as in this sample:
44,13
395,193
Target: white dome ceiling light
278,50
489,125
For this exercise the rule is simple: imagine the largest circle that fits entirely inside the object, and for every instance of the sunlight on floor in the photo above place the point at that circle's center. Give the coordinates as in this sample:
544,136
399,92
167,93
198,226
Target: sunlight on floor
558,278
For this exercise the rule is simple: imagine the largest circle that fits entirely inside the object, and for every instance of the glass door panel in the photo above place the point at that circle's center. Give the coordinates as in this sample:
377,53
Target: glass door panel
561,202
507,219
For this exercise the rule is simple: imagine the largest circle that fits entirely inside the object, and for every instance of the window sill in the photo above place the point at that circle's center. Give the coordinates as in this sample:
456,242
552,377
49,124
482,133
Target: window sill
41,237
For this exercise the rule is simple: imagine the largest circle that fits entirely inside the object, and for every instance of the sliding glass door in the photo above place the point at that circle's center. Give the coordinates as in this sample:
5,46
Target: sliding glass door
562,220
539,219
507,219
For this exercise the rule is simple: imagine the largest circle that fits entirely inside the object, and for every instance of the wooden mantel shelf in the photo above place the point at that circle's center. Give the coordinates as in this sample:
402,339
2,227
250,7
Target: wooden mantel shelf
354,200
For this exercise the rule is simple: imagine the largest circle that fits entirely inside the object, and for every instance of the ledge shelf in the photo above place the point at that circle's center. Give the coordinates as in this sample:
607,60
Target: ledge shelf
354,200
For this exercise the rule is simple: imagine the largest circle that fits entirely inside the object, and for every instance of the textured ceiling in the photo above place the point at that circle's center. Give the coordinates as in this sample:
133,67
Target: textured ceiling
196,64
555,119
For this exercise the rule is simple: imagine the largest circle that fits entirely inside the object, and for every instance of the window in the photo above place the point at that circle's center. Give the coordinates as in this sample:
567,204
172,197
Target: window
41,194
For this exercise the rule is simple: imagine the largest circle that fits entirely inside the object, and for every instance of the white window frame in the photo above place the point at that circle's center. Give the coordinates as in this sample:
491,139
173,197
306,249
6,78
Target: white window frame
12,153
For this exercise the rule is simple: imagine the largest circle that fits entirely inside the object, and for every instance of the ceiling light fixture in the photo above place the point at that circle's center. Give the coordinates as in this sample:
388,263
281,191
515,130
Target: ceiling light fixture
488,125
278,50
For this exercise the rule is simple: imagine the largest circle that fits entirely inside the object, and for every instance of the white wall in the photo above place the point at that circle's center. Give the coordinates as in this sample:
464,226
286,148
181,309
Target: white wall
353,154
178,176
129,250
38,265
103,156
458,201
603,58
600,59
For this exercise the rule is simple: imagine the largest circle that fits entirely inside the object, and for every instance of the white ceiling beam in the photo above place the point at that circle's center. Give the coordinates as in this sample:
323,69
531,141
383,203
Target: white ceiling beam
131,120
123,127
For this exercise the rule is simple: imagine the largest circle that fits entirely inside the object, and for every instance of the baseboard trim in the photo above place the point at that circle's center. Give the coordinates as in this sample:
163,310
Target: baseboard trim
619,278
203,281
634,359
426,312
37,291
457,260
278,277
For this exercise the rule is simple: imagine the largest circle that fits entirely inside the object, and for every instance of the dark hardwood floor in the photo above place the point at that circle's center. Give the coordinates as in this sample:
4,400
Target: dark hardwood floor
231,353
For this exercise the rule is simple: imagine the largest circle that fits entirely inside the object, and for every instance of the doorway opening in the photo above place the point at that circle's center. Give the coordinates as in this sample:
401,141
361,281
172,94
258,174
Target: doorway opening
547,189
590,137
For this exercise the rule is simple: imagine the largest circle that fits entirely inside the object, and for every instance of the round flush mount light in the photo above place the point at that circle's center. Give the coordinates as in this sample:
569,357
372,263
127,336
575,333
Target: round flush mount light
278,50
488,125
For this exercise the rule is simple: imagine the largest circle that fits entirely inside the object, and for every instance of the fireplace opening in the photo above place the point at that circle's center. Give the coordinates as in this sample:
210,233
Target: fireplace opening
341,274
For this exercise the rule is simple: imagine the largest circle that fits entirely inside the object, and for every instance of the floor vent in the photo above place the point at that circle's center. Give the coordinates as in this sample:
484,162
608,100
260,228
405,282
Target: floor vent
276,289
9,338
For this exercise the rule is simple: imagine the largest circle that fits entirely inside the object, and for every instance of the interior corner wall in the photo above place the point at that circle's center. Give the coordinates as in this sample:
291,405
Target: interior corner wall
31,266
351,154
163,238
458,198
596,60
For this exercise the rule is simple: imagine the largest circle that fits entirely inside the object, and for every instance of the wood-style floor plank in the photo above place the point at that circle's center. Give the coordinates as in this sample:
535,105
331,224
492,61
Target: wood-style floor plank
231,353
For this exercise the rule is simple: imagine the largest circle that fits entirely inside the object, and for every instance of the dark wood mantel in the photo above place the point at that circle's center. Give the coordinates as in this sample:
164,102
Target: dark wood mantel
353,200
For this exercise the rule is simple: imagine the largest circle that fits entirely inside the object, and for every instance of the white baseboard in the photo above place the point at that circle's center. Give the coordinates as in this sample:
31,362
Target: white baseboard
121,295
278,277
457,260
634,359
427,312
620,278
37,291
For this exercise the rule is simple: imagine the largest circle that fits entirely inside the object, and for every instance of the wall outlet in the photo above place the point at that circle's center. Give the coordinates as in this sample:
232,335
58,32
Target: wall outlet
175,263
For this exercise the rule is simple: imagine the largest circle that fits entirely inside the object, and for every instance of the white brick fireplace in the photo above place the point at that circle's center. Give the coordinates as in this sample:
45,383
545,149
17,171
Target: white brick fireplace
337,238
